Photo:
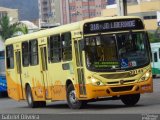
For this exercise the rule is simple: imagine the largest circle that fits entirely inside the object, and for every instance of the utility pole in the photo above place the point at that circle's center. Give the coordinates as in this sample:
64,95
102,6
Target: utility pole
40,13
88,9
122,7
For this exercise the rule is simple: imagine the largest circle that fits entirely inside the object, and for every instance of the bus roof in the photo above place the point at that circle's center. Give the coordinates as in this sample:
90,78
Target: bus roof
157,44
60,29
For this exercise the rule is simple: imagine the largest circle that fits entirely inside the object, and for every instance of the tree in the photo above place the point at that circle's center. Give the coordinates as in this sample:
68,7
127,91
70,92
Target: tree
153,38
8,30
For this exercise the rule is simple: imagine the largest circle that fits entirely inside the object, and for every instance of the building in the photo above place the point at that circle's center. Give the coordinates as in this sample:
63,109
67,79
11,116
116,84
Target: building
76,10
146,9
50,11
12,13
27,9
55,12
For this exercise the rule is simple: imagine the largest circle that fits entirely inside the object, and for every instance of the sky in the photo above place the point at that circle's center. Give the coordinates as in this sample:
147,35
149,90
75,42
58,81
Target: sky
28,9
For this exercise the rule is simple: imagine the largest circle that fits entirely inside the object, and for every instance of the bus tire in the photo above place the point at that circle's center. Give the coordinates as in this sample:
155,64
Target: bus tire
130,100
84,104
71,98
31,102
42,103
154,76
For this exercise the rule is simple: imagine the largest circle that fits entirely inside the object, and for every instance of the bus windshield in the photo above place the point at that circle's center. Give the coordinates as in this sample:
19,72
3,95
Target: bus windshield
116,51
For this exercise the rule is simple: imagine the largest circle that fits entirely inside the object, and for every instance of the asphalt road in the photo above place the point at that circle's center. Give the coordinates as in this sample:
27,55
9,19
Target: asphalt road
149,103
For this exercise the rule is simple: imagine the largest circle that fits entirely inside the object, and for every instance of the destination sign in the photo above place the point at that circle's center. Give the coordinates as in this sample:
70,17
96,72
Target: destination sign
105,64
113,25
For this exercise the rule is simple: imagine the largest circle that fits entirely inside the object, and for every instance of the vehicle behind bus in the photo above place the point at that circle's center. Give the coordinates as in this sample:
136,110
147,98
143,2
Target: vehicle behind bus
91,60
155,48
3,84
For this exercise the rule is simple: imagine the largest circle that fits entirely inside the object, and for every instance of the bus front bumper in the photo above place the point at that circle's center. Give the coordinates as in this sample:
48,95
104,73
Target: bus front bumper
97,92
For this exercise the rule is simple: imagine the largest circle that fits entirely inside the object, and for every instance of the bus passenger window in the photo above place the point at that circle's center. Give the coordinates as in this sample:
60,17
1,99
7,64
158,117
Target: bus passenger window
155,57
55,48
10,57
25,54
66,46
159,52
33,52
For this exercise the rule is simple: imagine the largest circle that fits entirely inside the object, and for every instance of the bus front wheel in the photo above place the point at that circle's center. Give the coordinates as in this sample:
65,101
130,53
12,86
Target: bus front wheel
31,102
71,98
130,100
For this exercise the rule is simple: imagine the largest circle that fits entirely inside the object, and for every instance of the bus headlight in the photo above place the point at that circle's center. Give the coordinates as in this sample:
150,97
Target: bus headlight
96,82
146,76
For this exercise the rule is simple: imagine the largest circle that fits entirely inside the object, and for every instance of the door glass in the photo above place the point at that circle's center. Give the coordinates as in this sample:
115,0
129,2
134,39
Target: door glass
18,61
44,58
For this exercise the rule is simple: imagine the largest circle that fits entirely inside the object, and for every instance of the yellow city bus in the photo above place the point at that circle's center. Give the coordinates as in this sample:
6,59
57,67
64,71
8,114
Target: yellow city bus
103,58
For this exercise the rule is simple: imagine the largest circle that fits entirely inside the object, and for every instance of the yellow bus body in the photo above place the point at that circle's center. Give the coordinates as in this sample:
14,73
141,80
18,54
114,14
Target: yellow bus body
52,83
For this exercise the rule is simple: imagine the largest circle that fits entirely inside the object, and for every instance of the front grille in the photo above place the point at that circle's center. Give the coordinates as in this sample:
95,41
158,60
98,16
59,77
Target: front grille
121,89
117,76
127,81
117,82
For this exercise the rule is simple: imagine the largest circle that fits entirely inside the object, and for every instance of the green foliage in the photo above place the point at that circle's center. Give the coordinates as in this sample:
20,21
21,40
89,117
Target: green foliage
153,37
8,30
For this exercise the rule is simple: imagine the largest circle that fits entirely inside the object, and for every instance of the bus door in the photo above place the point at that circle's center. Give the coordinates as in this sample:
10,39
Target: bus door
19,72
79,68
44,70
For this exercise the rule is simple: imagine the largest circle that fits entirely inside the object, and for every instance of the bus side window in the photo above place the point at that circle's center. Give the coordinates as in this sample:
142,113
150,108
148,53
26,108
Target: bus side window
66,46
33,52
10,57
155,57
55,48
25,54
1,53
159,53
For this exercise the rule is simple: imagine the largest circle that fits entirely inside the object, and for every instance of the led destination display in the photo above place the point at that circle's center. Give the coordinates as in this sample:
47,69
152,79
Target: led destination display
113,25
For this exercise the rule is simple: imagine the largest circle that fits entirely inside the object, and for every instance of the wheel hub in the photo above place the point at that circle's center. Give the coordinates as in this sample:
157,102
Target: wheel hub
72,97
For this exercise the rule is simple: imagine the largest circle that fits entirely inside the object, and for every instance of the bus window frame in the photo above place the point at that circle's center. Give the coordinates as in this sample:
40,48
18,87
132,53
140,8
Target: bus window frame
155,55
159,52
28,54
12,53
51,50
115,33
33,53
66,46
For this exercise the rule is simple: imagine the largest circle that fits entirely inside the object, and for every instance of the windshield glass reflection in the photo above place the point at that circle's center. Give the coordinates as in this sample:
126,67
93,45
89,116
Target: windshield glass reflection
118,51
